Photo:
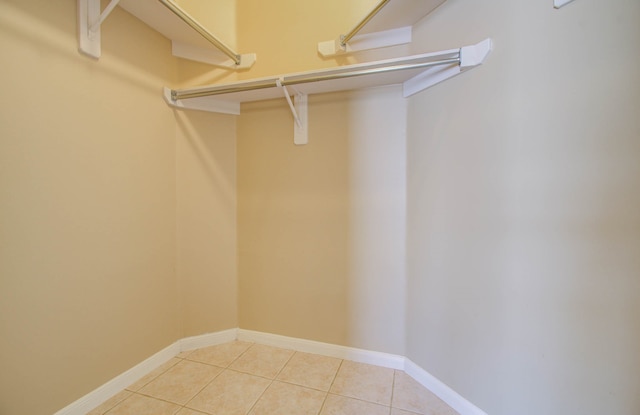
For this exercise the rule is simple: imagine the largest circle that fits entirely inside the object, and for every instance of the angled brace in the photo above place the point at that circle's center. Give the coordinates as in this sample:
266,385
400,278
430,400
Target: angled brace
299,111
89,21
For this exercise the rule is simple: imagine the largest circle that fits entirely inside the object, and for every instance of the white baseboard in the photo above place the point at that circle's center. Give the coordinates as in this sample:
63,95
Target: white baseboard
442,391
325,349
120,382
210,339
117,384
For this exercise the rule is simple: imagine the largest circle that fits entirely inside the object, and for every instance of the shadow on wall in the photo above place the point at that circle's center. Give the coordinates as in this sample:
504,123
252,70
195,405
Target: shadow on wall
206,221
41,36
321,226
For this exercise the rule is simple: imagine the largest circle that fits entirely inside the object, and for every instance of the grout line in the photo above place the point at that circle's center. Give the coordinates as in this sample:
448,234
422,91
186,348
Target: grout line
152,379
103,412
285,363
205,386
193,410
331,386
336,375
241,354
248,374
157,399
288,382
363,400
271,380
259,397
222,370
393,390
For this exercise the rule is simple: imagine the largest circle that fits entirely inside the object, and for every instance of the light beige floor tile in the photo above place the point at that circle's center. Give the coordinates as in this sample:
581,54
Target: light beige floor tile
182,382
396,411
143,405
136,386
184,355
260,360
187,411
231,393
220,355
310,370
409,395
110,403
341,405
366,382
283,398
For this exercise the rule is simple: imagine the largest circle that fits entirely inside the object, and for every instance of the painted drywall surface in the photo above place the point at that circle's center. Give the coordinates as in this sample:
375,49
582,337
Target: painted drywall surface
206,221
524,211
321,226
285,34
377,218
315,260
293,222
219,17
87,205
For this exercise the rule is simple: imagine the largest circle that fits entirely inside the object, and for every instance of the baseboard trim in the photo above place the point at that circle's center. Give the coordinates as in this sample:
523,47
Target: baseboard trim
325,349
205,340
120,382
441,390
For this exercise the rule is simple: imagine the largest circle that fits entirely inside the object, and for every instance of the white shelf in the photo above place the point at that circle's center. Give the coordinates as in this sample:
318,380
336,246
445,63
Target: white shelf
391,26
186,43
400,13
415,73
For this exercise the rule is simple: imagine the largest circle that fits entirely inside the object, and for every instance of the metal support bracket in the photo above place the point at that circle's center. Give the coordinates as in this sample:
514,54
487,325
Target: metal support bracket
90,20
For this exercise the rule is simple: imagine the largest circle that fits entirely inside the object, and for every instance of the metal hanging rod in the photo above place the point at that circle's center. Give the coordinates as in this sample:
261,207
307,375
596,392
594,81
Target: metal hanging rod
371,71
303,79
201,30
344,39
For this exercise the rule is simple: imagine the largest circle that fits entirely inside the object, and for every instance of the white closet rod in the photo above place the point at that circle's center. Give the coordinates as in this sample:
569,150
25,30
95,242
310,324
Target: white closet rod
344,39
201,30
294,80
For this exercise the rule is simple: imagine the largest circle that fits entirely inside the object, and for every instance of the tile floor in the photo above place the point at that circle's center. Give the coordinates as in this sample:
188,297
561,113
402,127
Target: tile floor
240,378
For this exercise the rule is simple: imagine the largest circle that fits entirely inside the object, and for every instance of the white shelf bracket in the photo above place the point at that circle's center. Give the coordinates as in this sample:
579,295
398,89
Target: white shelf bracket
299,112
90,20
469,57
559,3
474,55
376,40
301,133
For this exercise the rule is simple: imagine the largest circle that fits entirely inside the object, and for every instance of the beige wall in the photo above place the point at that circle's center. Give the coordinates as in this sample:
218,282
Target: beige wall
524,211
87,189
293,217
102,262
321,227
219,17
513,195
285,34
206,189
